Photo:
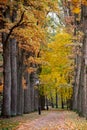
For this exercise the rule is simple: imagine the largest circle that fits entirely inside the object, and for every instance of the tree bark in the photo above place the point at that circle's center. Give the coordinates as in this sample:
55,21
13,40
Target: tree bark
32,82
27,102
56,99
83,78
42,102
20,91
36,99
77,82
6,111
13,48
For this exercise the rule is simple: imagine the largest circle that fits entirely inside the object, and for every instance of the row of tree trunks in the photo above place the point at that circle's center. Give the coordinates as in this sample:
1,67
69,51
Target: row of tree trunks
16,99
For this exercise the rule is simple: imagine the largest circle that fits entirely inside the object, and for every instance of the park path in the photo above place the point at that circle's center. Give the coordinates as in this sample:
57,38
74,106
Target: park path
56,120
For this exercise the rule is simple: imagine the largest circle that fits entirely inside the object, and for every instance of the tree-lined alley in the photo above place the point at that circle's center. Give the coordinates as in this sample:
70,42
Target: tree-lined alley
43,56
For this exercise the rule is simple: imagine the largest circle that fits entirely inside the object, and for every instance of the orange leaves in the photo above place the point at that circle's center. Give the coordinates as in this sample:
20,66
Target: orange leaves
31,69
1,88
76,10
31,60
24,83
76,6
84,2
3,1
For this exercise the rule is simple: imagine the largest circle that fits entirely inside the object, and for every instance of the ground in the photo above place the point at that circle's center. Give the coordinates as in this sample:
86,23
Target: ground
48,120
56,120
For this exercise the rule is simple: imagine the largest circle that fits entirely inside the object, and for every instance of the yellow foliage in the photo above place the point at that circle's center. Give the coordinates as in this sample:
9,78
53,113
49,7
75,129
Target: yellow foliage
76,10
76,5
58,69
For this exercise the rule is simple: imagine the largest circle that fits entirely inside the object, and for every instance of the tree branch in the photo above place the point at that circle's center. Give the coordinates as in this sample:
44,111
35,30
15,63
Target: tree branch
15,26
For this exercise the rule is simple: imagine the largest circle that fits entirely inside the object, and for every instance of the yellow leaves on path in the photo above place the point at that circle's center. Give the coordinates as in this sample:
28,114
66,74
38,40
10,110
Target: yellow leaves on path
56,120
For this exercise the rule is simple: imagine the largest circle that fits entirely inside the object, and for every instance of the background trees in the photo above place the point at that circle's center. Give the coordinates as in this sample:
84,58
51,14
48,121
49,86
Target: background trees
57,72
78,9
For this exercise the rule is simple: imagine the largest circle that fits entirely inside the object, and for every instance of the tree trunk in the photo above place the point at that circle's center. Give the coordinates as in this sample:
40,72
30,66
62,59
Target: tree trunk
27,103
6,111
77,82
52,103
84,63
32,82
56,99
46,103
79,96
62,102
83,75
85,57
36,99
13,77
42,102
20,91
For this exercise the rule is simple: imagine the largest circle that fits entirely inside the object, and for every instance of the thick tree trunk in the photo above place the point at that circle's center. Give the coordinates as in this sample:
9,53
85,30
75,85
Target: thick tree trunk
79,96
13,49
77,82
6,111
83,87
85,57
20,91
83,78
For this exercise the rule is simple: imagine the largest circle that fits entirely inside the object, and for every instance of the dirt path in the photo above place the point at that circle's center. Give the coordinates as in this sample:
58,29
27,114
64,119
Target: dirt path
56,120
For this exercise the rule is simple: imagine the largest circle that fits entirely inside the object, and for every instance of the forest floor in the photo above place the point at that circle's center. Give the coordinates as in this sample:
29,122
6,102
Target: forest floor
48,120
